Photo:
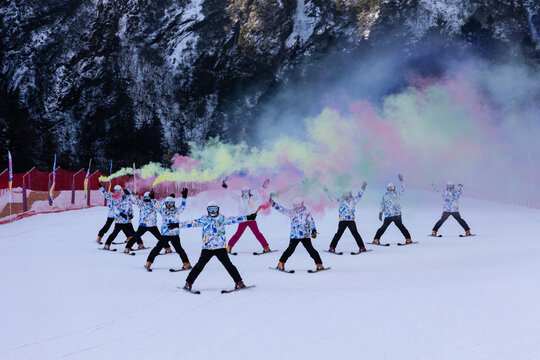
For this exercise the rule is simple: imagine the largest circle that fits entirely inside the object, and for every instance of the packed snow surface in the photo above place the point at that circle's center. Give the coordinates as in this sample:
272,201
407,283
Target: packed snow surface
443,298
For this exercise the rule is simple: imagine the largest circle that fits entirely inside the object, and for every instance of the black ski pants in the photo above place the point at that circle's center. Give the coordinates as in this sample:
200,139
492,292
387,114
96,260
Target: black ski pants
446,215
354,231
127,229
164,243
399,224
106,227
307,244
141,230
222,256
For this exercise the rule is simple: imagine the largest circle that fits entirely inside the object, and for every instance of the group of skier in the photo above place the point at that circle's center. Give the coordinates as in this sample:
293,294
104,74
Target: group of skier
214,241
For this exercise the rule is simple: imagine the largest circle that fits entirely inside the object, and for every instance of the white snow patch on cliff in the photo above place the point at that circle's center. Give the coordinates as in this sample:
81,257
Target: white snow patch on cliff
182,46
303,26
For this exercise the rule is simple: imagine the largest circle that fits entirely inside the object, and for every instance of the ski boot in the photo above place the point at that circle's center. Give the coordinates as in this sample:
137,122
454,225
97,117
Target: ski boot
107,247
376,241
168,250
467,232
281,265
148,264
433,233
187,286
99,239
408,241
320,267
186,266
266,249
239,285
229,249
362,249
332,250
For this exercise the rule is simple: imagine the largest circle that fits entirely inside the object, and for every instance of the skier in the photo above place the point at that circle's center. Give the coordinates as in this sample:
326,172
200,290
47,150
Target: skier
213,242
147,220
347,204
391,208
450,207
302,226
169,229
110,216
123,214
248,205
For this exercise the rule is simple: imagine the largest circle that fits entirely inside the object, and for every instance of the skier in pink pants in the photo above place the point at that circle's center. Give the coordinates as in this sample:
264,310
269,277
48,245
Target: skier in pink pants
248,205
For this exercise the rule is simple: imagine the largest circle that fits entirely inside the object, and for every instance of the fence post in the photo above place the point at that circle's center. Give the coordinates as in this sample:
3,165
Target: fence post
73,192
88,192
24,202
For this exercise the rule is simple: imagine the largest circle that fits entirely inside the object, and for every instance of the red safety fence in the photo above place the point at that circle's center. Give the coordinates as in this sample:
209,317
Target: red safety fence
30,193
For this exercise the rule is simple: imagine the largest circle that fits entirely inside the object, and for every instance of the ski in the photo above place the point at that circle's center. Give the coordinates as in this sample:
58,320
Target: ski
147,268
167,253
403,244
360,252
334,252
282,270
107,249
434,235
466,235
128,253
182,269
143,248
119,243
196,292
317,270
232,253
262,253
233,290
372,243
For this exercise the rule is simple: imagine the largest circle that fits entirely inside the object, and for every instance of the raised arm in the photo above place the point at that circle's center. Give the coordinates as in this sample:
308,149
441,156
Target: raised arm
282,210
330,196
193,223
105,194
401,184
229,220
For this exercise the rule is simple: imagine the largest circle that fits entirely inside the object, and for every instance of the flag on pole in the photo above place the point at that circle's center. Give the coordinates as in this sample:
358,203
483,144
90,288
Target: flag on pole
10,184
110,174
86,179
51,190
134,180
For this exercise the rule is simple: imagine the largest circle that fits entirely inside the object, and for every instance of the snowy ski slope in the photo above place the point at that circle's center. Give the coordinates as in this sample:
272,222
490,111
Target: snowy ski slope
444,298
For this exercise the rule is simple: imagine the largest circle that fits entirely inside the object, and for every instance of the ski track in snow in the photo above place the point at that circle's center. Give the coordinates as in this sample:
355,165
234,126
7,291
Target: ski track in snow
444,298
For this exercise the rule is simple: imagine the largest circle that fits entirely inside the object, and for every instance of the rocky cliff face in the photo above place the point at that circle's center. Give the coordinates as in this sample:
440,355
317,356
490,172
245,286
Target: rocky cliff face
135,80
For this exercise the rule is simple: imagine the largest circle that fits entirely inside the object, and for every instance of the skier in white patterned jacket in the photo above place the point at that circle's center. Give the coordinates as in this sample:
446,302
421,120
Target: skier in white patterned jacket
302,230
391,208
110,215
147,220
169,229
123,214
347,204
450,207
214,242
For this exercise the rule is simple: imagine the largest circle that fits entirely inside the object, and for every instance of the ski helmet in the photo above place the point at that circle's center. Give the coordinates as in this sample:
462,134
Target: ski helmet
298,202
117,188
213,209
169,202
391,187
146,196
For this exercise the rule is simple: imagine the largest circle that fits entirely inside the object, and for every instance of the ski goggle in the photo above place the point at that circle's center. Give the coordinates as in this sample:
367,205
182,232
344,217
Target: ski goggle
146,198
116,190
169,204
213,209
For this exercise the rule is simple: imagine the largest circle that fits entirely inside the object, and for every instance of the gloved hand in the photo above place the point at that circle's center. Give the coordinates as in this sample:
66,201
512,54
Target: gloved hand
123,215
172,195
364,184
400,177
151,194
380,216
224,184
184,193
130,216
272,202
265,184
173,226
314,233
99,185
126,191
251,217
